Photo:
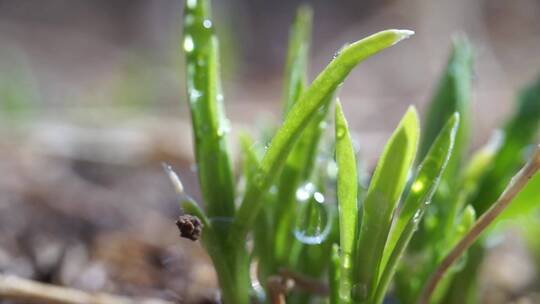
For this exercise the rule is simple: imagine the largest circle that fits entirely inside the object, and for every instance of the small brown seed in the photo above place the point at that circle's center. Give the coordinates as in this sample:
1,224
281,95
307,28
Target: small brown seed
190,227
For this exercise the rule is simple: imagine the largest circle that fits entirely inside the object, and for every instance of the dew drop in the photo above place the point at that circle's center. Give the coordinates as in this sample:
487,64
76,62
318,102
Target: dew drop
189,19
194,95
191,3
207,23
313,221
417,216
417,186
188,44
224,128
332,169
175,180
340,132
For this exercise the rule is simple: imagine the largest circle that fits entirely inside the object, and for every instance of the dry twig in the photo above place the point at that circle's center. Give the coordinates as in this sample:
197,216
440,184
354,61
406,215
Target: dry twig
15,288
517,183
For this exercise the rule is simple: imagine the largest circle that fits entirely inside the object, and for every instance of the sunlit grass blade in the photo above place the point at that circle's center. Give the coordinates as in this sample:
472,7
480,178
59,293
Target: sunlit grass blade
300,115
347,193
518,133
207,114
422,190
297,57
385,189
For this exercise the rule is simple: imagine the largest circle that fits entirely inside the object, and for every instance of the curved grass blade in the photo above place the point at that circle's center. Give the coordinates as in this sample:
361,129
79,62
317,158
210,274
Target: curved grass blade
453,94
297,56
205,101
300,115
518,133
422,190
383,194
347,193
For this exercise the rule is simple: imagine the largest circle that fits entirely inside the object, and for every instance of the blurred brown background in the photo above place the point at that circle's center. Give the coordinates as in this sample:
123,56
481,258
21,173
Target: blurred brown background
92,100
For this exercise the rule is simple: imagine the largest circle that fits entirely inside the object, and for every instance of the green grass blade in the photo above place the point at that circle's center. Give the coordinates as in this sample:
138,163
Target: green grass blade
300,160
347,192
300,115
518,133
334,275
250,160
453,94
208,119
422,190
385,189
297,170
297,56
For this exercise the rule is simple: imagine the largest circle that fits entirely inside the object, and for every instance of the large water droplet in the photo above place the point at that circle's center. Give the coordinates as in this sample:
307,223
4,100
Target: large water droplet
313,220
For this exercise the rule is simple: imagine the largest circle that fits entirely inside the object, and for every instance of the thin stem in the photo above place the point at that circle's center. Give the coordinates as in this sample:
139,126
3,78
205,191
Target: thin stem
517,183
278,287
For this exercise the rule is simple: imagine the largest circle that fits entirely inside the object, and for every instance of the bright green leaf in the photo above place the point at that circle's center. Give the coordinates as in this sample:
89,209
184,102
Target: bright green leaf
208,119
347,194
385,189
297,56
300,115
422,190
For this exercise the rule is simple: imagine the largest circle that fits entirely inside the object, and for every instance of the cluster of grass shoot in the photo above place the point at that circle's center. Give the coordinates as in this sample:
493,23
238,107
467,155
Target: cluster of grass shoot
284,204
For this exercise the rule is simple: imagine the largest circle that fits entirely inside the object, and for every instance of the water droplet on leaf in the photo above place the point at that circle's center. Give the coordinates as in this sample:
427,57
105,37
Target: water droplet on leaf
191,3
188,44
207,23
313,221
340,132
